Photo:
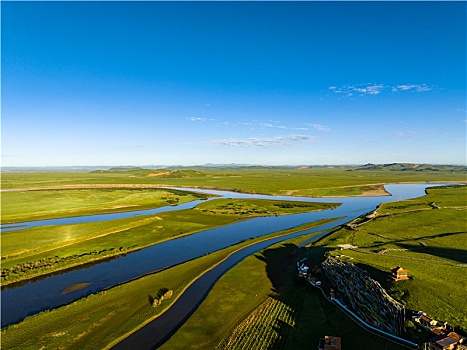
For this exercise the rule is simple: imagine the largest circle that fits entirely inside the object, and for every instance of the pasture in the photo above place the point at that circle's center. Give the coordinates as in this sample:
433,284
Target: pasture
112,314
259,301
430,242
300,181
38,250
263,305
295,315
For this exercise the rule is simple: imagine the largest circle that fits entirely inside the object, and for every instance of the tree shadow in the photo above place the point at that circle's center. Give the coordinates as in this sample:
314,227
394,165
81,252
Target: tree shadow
283,329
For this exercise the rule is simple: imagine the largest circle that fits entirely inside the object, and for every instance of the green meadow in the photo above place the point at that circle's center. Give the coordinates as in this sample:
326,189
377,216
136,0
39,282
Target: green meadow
430,242
261,304
304,181
32,252
293,315
99,320
258,304
58,203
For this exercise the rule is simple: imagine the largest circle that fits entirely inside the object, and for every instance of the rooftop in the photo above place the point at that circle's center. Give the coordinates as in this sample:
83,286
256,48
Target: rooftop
443,340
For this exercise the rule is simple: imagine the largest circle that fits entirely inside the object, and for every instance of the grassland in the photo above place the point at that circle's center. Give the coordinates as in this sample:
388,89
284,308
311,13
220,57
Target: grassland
427,236
95,322
293,316
260,207
35,251
44,204
429,241
304,181
261,304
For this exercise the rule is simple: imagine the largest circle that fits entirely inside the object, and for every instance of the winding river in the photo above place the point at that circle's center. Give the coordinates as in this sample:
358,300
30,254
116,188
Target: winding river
21,300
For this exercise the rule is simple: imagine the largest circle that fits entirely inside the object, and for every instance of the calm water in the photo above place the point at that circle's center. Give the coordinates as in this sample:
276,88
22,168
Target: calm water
20,301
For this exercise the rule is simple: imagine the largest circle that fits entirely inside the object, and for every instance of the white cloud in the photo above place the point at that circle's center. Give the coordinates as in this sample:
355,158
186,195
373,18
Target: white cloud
268,124
265,142
405,133
416,87
376,89
363,89
196,119
320,127
408,134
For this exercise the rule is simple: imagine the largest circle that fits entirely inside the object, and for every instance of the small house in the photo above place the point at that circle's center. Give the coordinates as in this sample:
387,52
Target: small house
347,246
443,342
428,322
399,274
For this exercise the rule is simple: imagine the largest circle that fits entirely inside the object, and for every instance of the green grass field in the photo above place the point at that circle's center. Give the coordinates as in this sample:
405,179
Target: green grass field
295,316
35,251
261,304
426,236
58,203
430,243
313,181
95,322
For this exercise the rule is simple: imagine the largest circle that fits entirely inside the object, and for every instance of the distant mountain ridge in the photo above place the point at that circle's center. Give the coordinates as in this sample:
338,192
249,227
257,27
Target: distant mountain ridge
160,173
411,167
197,170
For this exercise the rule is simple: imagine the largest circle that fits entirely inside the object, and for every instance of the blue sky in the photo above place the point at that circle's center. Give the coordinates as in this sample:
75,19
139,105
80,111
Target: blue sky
268,83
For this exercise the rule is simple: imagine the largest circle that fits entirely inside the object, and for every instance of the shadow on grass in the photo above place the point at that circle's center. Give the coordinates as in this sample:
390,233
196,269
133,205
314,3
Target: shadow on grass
459,255
281,271
395,241
383,277
278,265
310,315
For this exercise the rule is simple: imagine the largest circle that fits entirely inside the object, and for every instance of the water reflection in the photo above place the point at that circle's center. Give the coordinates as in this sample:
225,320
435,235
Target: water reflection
22,300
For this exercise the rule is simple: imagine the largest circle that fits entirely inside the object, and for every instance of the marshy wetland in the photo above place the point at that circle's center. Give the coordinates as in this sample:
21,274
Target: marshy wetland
220,226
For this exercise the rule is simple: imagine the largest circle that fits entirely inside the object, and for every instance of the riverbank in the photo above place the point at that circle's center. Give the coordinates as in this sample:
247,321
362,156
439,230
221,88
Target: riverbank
264,305
49,249
428,241
294,316
114,313
306,181
56,202
48,291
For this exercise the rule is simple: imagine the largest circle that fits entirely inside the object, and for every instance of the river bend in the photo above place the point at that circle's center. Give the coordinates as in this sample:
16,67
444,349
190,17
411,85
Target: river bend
29,298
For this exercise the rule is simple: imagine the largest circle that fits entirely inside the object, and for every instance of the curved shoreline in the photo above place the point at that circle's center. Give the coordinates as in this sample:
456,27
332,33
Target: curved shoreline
120,339
210,240
217,188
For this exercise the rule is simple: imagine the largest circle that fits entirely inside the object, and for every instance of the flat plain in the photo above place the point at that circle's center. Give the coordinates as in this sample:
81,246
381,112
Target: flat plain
426,236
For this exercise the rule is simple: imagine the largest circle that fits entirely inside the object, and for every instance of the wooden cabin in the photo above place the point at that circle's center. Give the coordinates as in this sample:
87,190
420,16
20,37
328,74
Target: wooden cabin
399,274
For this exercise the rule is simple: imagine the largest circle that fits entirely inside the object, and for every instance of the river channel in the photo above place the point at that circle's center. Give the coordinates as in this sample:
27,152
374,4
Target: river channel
21,300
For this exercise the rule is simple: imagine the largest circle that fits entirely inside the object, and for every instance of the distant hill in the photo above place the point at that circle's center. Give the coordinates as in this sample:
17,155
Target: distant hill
160,173
410,167
174,171
125,170
167,173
